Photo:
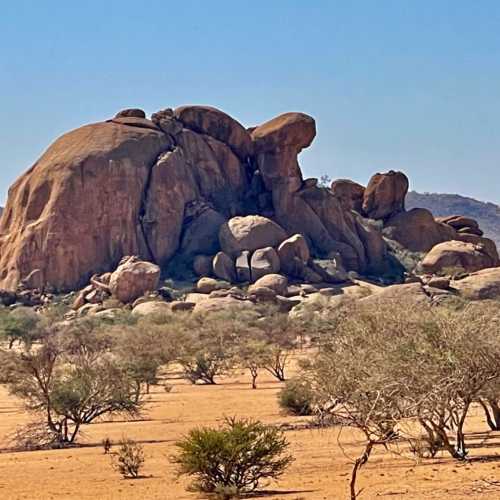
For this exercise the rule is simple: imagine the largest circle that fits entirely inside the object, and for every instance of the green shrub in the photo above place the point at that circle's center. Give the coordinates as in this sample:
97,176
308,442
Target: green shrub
234,458
296,397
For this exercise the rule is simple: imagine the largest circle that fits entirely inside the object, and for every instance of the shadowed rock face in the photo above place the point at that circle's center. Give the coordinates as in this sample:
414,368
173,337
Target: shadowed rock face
170,186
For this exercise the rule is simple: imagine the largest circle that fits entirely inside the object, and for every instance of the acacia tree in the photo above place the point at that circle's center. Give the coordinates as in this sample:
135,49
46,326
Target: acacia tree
69,379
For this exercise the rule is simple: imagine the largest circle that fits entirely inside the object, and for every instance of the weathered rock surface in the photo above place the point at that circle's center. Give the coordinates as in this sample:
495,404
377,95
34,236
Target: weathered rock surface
276,282
349,193
483,284
385,194
455,254
223,267
222,304
264,261
133,278
417,230
151,307
249,233
277,144
177,189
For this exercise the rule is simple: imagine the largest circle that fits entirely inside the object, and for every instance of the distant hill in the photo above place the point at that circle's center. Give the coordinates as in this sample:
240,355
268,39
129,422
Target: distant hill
486,214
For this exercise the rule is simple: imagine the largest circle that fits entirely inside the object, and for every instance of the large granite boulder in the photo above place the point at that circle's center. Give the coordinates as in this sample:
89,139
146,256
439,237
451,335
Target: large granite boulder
349,193
133,278
217,124
483,284
385,195
264,261
417,230
277,144
456,255
250,233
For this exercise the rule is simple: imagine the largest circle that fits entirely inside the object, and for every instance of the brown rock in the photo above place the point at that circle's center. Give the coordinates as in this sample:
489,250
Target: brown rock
151,307
133,278
293,248
261,294
217,124
201,232
275,282
459,221
264,261
132,112
208,285
483,284
455,254
243,272
223,304
411,293
416,230
180,305
488,246
385,195
76,211
277,144
202,265
349,193
249,233
223,267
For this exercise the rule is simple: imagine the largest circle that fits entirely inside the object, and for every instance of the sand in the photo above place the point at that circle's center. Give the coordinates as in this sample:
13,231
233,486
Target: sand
321,469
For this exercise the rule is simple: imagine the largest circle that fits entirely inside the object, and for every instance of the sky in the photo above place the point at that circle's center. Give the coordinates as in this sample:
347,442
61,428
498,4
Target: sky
411,85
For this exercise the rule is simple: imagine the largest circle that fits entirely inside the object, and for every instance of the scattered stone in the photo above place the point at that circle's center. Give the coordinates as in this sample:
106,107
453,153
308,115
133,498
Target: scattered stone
179,305
208,285
275,282
151,307
223,304
441,282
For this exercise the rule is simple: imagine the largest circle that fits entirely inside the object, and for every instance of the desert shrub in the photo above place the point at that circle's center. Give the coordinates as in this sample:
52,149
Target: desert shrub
233,459
297,397
129,459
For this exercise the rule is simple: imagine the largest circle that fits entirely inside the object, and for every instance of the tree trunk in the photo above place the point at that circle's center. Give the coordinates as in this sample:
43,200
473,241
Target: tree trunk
359,462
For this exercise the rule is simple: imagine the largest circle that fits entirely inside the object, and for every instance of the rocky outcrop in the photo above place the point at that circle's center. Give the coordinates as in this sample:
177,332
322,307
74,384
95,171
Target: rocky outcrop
192,190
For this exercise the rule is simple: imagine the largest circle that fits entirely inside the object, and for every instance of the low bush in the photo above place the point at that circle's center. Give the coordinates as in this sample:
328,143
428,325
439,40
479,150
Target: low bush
233,459
296,397
129,459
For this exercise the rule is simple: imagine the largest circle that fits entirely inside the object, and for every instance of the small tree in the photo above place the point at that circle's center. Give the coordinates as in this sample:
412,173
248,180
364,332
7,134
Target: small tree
21,325
129,459
234,458
253,354
68,381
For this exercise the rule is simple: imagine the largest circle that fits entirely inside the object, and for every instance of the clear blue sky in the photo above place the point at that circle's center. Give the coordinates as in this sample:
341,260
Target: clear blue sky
408,84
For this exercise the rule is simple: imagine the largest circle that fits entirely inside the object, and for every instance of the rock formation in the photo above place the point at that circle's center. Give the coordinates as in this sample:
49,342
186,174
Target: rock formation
194,191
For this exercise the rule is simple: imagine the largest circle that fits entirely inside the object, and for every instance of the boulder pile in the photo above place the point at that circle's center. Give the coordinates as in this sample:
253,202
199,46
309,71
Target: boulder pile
191,191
